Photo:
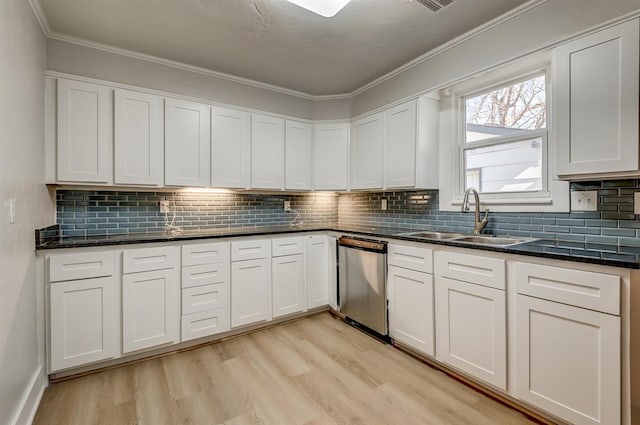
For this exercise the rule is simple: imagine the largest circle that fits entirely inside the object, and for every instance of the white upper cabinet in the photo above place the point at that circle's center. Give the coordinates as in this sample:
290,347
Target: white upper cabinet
187,143
400,145
230,148
411,145
596,102
84,133
267,152
367,149
298,150
331,156
139,138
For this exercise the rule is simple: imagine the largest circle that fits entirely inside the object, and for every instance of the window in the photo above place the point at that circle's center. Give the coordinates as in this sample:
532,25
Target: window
496,136
504,137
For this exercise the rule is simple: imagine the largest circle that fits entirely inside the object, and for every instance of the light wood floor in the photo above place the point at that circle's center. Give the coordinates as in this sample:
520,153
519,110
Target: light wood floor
313,371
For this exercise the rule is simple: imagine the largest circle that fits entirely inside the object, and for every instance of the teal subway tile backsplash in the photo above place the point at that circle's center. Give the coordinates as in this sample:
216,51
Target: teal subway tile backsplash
84,212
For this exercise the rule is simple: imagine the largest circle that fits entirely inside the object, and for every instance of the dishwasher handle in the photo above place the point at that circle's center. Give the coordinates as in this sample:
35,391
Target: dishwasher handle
363,244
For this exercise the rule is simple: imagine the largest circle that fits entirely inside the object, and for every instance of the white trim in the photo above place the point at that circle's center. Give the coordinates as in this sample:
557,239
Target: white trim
30,400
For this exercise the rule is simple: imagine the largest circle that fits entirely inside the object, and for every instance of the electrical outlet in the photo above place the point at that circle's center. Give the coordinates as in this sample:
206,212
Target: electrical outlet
636,202
164,207
383,205
12,211
287,206
584,200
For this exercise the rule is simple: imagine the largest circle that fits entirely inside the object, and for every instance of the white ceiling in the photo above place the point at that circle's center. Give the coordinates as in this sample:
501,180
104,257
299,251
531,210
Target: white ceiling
274,41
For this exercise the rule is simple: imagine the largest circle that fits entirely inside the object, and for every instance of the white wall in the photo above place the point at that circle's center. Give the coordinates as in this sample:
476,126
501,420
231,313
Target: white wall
549,22
22,59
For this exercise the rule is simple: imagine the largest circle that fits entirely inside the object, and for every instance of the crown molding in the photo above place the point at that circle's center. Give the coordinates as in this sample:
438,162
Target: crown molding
49,33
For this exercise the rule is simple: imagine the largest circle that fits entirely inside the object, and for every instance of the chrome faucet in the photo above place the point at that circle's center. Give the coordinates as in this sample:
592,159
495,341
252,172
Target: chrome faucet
479,224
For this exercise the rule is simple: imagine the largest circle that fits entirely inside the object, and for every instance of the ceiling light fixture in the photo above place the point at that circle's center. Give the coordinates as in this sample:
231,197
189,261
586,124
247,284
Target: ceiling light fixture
326,8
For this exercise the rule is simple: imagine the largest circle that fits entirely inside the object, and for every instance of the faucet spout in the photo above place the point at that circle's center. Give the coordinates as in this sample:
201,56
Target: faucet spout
478,224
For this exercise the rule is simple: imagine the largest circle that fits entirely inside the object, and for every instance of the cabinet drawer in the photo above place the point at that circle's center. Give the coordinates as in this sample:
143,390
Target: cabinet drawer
149,259
476,269
411,257
206,274
207,297
205,253
595,291
287,246
80,266
251,249
205,323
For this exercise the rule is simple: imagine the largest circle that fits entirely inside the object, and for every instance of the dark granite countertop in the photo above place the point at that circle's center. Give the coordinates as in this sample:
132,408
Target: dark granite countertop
608,255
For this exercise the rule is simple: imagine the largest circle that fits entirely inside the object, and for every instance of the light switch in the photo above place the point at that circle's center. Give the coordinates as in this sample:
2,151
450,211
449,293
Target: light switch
164,207
383,205
287,206
12,211
636,202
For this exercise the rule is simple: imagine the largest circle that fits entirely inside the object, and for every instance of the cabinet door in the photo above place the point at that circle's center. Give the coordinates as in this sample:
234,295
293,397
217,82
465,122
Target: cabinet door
84,134
568,361
400,146
471,329
367,147
596,101
230,148
83,322
297,161
267,152
150,309
187,143
139,138
330,156
289,284
334,302
411,314
250,291
318,272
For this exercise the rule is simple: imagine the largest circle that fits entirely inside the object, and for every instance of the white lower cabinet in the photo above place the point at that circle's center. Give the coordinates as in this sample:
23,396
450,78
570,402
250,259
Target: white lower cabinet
411,317
318,271
568,342
250,291
205,323
150,309
471,329
288,284
83,326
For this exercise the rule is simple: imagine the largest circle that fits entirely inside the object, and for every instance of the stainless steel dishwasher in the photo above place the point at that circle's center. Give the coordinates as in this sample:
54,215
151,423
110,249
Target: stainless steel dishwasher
363,283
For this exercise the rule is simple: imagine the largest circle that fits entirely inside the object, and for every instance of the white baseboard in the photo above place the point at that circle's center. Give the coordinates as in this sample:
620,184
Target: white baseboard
30,400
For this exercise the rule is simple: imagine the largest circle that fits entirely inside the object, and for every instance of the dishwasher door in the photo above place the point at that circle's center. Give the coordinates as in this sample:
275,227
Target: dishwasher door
363,283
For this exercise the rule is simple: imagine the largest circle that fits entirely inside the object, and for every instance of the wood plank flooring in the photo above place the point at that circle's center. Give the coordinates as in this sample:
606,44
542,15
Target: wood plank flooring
313,371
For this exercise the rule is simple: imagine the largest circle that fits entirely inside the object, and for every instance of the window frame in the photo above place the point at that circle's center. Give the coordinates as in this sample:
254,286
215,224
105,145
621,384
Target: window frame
554,195
464,146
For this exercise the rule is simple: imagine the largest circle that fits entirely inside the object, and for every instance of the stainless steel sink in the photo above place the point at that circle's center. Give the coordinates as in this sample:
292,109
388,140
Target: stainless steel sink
433,235
486,240
491,241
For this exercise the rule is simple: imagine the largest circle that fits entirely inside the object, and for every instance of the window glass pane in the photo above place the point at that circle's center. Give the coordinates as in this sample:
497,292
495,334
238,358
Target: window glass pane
508,167
507,111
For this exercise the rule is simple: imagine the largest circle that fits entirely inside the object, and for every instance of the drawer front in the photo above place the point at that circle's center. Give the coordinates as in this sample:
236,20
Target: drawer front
202,298
205,253
595,291
204,323
250,249
80,266
287,246
206,274
411,257
476,269
149,259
